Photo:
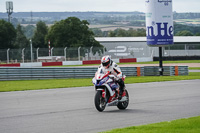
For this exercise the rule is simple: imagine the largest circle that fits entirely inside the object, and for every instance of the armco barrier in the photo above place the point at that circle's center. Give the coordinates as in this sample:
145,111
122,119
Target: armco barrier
167,70
183,70
20,73
29,73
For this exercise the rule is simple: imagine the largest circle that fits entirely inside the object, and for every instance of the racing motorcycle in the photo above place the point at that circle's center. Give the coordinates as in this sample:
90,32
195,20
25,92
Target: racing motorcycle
107,92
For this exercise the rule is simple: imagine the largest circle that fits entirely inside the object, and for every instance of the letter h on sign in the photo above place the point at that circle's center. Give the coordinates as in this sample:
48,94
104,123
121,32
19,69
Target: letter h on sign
160,28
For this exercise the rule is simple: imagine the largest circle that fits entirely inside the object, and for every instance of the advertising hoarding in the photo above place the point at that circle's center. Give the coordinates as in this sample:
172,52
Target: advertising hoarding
159,22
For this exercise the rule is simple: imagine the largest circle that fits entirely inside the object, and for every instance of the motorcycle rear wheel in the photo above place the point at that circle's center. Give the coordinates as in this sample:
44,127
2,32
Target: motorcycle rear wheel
99,101
124,105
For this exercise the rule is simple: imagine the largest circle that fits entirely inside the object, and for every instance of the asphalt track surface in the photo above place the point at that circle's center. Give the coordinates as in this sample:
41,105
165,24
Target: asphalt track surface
71,110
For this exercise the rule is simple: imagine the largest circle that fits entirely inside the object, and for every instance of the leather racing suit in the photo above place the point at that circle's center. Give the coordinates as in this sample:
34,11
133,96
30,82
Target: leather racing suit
116,71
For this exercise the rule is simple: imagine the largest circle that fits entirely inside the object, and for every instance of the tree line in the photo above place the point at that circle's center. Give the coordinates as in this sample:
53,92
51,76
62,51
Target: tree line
71,32
179,30
91,17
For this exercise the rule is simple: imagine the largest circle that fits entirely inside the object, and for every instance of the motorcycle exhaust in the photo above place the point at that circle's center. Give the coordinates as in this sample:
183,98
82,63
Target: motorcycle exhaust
123,99
113,103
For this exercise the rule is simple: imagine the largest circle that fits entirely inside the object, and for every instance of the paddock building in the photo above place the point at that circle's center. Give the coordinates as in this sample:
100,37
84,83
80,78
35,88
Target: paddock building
136,47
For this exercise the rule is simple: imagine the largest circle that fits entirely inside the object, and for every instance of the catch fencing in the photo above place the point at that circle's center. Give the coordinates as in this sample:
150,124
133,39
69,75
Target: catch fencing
87,53
69,54
33,73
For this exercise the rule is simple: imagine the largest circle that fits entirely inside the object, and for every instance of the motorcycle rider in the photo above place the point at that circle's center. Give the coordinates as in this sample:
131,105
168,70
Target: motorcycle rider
107,65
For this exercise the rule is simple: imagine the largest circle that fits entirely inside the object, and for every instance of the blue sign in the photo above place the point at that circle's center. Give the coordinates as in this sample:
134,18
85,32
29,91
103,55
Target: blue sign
159,22
164,34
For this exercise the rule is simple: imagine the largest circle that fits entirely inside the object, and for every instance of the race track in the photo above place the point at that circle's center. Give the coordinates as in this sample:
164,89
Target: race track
71,110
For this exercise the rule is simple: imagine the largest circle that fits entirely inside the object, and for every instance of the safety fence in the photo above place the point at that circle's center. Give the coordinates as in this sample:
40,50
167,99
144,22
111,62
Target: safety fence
168,70
61,54
87,53
32,73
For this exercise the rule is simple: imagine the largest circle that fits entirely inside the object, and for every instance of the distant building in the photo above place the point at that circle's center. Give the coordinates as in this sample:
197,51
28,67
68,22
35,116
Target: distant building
134,47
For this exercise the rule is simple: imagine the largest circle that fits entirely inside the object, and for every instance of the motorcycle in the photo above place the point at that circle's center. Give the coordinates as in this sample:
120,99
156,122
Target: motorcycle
107,92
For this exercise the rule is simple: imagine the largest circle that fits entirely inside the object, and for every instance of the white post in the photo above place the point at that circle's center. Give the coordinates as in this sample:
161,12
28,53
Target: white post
31,50
8,55
23,54
104,50
37,53
91,49
116,52
79,53
91,53
52,51
65,52
49,48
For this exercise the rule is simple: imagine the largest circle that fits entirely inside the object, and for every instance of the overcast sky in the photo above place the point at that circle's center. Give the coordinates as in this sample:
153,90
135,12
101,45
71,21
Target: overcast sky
93,5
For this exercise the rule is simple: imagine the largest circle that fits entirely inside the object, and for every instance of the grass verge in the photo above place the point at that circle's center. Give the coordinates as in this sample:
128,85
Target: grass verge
186,125
165,62
151,62
194,68
66,83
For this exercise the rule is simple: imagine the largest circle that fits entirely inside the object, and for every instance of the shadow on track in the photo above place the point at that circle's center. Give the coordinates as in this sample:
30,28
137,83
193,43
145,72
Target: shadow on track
127,111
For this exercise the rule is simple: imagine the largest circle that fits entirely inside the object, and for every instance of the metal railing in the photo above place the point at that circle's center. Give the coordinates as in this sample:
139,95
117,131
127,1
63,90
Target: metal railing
86,53
21,73
31,55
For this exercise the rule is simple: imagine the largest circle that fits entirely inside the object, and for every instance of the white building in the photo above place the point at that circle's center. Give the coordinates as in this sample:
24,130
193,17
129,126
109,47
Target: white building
134,47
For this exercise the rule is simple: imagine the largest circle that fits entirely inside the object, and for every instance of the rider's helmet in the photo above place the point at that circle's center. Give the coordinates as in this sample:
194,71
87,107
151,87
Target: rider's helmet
106,61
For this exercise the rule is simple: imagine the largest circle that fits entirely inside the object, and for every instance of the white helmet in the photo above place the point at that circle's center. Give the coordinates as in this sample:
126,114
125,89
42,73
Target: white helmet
106,61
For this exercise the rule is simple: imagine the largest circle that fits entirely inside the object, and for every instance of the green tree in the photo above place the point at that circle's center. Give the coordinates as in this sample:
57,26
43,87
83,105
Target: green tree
141,32
29,31
197,34
121,32
127,33
184,33
97,32
180,27
112,34
21,40
7,35
39,35
72,32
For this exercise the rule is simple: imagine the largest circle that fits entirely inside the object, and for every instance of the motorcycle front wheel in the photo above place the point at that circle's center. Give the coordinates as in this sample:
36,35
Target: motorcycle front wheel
100,102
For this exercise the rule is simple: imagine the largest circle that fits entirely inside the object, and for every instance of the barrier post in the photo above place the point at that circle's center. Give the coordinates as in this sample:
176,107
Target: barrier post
138,71
176,70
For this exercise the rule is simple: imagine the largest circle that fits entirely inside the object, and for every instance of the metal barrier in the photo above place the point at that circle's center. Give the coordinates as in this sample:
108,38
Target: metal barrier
154,71
21,73
168,70
183,70
18,73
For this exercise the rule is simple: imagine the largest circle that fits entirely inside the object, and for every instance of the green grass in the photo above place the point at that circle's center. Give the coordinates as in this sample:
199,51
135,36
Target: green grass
73,65
43,84
151,62
194,68
165,62
186,125
65,83
144,79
